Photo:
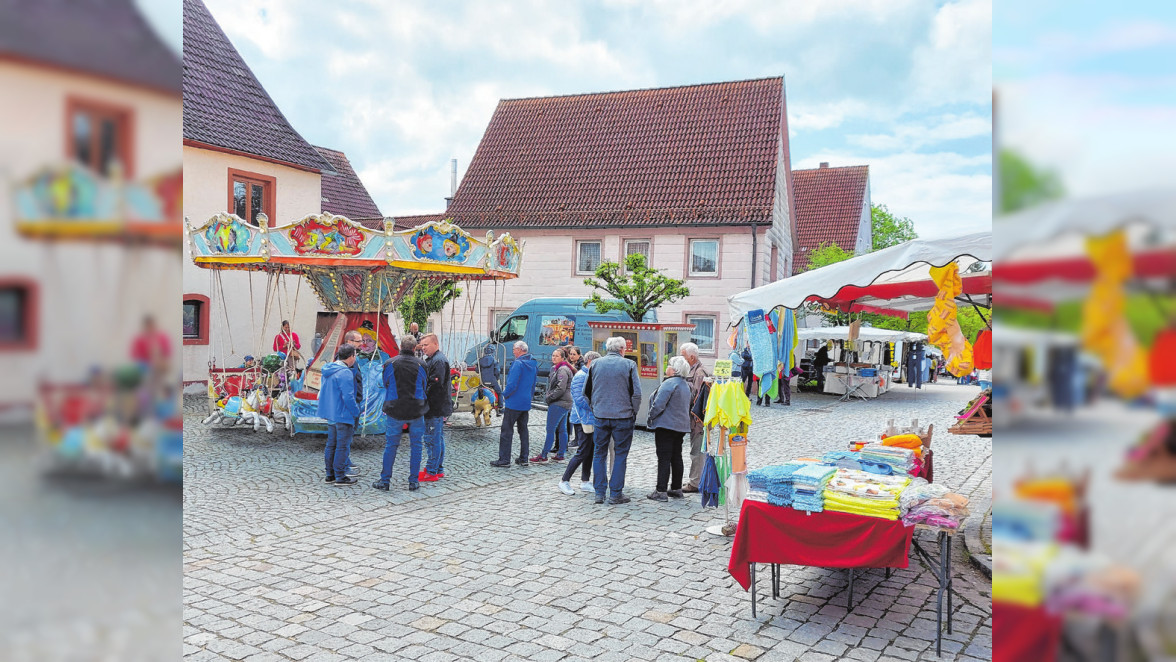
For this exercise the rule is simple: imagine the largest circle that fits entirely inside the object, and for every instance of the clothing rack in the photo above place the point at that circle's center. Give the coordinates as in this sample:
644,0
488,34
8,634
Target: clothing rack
722,450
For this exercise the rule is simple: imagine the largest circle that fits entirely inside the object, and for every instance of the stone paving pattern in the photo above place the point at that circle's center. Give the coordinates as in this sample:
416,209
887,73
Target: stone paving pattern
496,564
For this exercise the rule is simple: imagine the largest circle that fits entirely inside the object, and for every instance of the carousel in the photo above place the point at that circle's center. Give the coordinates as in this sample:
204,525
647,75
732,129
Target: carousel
358,273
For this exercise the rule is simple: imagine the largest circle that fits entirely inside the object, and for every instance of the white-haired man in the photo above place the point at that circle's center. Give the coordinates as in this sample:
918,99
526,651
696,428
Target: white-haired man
613,389
698,375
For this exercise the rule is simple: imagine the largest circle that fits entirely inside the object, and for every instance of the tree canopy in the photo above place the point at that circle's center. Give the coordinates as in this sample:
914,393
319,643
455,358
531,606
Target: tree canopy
637,289
425,299
1023,185
888,229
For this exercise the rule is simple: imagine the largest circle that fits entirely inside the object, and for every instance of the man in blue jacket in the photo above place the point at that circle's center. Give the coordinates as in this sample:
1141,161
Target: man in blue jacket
336,404
613,388
404,403
520,384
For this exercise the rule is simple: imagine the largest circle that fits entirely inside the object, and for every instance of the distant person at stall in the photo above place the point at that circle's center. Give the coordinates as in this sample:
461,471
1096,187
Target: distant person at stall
516,410
288,343
696,377
784,394
414,330
151,349
559,405
746,371
584,423
669,418
490,373
915,366
440,406
405,383
614,391
820,360
336,404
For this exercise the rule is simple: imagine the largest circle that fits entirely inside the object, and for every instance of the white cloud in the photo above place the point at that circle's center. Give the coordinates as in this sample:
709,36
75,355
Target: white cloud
928,131
955,63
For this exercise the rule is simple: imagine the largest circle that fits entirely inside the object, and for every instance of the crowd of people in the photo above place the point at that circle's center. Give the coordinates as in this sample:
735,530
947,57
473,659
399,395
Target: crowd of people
592,406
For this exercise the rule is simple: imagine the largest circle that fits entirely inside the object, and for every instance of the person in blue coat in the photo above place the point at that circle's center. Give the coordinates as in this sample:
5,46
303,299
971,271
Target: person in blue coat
336,404
520,384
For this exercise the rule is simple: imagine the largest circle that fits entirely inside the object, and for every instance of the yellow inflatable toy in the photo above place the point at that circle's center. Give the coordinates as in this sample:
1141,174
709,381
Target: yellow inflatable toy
943,329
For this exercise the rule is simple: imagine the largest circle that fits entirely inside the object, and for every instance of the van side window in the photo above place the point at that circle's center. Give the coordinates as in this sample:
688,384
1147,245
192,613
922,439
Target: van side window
515,328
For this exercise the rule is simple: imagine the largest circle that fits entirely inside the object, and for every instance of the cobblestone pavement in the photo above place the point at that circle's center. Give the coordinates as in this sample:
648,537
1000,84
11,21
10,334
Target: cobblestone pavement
495,564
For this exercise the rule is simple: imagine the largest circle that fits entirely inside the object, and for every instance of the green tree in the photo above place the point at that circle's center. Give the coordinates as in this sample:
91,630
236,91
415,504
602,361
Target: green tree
888,229
1024,185
637,290
826,254
425,299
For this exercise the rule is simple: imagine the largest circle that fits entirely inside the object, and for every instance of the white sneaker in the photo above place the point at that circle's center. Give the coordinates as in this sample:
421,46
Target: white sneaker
353,471
566,488
587,487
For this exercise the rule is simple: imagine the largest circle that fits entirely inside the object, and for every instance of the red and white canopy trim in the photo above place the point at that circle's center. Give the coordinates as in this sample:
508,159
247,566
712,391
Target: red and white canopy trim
639,326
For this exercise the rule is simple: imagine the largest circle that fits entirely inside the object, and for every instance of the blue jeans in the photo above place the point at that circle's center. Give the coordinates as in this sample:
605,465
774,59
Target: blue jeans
620,432
338,448
435,442
557,419
392,432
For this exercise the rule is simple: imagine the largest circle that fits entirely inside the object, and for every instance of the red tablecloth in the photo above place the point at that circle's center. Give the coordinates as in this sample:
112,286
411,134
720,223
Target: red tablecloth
773,534
1020,634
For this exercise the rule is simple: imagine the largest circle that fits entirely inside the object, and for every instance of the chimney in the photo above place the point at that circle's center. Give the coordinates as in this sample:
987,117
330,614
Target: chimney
452,182
824,164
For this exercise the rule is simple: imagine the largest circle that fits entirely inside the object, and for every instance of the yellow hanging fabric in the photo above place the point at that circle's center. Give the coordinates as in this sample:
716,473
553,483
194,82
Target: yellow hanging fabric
1105,332
727,406
943,329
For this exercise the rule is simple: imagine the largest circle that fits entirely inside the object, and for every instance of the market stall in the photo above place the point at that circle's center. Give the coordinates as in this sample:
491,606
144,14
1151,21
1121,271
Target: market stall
649,345
866,366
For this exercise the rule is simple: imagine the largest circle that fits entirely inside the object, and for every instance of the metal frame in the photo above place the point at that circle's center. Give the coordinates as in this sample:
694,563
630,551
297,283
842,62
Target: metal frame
942,570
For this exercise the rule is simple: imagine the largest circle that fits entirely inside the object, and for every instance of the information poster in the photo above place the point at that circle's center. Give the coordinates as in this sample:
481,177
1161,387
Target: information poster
648,364
723,368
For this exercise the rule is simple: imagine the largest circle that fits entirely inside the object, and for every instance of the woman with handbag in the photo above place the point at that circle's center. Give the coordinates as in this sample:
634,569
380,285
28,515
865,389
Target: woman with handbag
559,405
583,421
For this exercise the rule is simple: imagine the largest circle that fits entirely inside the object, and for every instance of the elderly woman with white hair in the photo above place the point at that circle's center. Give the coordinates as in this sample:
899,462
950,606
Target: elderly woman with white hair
669,418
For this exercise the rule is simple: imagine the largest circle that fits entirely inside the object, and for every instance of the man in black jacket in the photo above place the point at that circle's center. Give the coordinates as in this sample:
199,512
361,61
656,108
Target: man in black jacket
440,406
404,403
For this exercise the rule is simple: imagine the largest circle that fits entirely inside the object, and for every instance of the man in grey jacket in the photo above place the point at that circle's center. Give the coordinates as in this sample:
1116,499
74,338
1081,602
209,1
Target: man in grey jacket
698,375
613,389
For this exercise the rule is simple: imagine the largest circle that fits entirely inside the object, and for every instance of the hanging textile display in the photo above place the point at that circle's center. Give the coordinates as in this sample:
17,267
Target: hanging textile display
709,485
943,329
727,406
787,341
763,349
1105,332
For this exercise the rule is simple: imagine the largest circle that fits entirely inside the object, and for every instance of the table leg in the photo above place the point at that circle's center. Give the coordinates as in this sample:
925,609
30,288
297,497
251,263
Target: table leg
888,573
776,581
949,584
849,607
752,590
1107,640
939,600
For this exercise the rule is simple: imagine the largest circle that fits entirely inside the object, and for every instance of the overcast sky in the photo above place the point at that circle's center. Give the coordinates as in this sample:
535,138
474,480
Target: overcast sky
1089,89
903,86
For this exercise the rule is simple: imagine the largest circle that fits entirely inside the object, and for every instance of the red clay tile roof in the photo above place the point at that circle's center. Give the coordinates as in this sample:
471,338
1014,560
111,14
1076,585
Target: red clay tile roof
698,154
225,105
344,194
409,222
109,38
828,208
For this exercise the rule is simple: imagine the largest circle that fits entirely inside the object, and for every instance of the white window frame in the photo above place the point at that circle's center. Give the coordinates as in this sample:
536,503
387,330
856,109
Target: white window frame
713,351
599,256
690,272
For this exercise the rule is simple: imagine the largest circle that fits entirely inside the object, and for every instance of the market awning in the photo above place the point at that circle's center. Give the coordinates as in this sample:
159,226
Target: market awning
893,280
866,334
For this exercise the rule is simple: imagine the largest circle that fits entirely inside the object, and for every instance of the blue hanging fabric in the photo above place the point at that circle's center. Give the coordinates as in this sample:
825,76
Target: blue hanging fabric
763,349
788,340
709,485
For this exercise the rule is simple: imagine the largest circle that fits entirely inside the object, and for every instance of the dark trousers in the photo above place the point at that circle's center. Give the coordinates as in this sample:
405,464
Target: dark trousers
512,418
669,458
747,384
583,456
620,432
784,391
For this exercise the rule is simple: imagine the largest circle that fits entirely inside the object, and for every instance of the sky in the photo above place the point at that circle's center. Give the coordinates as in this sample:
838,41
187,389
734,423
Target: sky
1088,89
903,86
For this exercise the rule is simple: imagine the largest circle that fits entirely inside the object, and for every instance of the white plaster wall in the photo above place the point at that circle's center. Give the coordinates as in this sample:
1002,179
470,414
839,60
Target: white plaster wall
246,332
92,297
549,257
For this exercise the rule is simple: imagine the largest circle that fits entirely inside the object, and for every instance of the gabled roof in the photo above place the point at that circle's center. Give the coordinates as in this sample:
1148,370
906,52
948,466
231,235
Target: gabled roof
344,194
108,38
224,104
829,204
697,154
409,222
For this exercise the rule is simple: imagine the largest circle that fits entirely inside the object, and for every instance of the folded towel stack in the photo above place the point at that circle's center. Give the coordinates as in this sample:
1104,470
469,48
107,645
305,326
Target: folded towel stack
863,493
925,503
901,460
843,459
808,487
776,481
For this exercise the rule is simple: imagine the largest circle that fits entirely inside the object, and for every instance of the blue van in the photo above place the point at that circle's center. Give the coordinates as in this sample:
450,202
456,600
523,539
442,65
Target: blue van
545,324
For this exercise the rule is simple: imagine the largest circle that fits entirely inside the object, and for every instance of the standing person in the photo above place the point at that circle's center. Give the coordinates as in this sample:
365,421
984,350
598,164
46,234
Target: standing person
697,376
440,406
354,339
559,405
414,330
576,359
287,342
746,370
785,388
405,383
669,418
614,390
584,423
490,373
336,404
520,384
819,362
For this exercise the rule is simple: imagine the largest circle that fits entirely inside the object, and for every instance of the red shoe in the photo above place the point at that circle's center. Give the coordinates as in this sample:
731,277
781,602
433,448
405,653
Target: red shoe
538,459
426,477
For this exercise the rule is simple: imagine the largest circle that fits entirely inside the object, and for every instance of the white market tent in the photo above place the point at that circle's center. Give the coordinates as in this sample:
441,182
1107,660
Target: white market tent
892,281
865,334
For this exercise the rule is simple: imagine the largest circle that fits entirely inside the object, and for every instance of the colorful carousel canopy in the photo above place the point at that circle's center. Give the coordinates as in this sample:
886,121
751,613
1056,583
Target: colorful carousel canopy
353,268
72,202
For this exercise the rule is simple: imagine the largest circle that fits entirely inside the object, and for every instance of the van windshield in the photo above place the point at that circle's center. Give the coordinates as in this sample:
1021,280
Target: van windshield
513,329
